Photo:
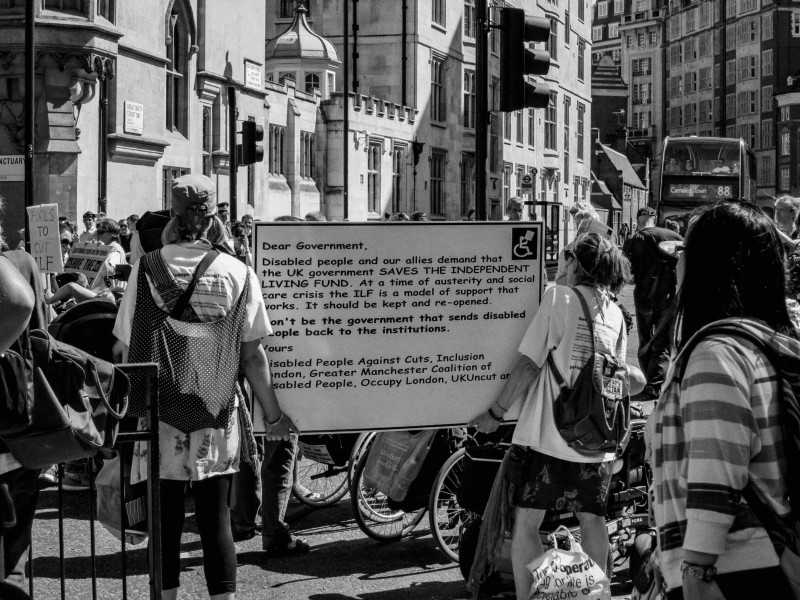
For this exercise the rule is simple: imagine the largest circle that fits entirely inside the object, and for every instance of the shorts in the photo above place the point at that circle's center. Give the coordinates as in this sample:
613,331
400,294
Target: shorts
548,483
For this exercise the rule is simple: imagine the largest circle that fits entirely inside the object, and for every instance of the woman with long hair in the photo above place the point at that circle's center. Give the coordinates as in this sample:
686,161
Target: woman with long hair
543,472
199,314
716,429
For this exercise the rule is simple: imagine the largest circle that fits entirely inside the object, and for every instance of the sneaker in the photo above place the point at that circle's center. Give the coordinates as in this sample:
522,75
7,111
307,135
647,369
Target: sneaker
48,477
75,481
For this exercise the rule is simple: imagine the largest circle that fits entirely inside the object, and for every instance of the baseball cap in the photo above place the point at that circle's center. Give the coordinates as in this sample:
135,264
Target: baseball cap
646,211
193,189
89,215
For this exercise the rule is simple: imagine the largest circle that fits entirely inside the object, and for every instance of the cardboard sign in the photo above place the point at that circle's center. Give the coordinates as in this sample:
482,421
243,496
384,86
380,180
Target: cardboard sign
45,238
87,258
394,325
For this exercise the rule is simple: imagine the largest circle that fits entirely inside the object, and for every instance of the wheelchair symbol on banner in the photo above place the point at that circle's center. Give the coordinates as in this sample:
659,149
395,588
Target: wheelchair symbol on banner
521,250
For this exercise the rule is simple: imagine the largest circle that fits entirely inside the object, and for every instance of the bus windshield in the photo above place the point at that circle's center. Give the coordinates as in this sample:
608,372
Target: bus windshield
702,158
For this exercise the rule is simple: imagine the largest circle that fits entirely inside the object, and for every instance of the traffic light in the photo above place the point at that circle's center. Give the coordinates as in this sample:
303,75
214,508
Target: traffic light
517,61
251,151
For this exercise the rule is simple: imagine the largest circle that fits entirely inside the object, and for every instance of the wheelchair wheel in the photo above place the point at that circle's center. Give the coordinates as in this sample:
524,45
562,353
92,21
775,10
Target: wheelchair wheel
318,485
372,512
447,518
362,445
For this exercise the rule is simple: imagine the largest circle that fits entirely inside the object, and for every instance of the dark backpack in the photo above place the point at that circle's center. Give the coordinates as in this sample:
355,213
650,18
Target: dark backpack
593,416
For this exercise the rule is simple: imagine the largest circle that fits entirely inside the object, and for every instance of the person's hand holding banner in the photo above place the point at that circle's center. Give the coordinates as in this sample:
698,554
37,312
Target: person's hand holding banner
280,429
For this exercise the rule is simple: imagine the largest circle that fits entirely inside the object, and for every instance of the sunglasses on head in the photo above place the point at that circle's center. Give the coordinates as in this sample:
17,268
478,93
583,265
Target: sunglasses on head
199,209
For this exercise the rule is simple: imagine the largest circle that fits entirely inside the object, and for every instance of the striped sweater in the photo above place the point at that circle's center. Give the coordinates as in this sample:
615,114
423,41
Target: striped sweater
714,431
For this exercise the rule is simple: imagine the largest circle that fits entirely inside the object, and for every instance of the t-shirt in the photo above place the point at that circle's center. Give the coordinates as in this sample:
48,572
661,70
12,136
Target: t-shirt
88,236
213,297
559,325
653,269
117,257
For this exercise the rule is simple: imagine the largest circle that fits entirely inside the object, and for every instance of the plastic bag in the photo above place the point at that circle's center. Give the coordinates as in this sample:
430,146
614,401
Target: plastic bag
394,460
109,498
563,574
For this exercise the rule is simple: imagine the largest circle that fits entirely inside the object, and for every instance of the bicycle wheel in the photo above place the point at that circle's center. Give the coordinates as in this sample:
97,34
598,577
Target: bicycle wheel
372,512
447,518
318,485
363,442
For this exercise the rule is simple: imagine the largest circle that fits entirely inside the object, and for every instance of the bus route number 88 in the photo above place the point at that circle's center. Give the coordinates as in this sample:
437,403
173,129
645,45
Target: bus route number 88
724,191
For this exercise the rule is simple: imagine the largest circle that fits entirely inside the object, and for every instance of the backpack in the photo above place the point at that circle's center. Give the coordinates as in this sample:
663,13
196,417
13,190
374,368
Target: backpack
593,416
783,352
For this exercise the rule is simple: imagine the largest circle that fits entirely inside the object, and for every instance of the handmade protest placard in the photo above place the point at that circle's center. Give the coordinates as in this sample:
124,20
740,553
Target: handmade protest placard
45,237
87,258
394,325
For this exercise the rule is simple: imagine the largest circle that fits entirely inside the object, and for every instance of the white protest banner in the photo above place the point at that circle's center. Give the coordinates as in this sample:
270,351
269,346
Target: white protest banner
87,258
394,325
45,237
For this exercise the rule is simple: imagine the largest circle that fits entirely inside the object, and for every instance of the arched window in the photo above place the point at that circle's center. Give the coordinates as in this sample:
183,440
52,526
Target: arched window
312,83
178,45
284,77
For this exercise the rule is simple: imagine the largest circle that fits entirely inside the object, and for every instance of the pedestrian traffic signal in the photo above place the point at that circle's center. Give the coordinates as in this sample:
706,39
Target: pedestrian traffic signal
517,61
251,151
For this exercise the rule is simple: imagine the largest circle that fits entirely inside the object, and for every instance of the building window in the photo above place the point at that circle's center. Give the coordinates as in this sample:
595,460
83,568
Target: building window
765,175
469,99
653,38
581,60
467,181
494,143
602,10
286,8
784,113
613,30
531,127
277,145
766,26
766,133
519,118
618,6
786,143
796,23
730,72
567,28
705,12
520,172
438,160
169,174
307,154
178,72
438,96
690,20
581,126
581,11
567,103
283,78
374,153
70,6
208,137
552,43
312,83
439,11
106,9
398,163
730,9
470,24
766,63
550,120
506,184
766,99
730,37
785,179
597,33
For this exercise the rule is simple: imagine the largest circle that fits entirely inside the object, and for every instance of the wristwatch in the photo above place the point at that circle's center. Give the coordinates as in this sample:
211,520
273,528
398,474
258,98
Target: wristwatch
704,573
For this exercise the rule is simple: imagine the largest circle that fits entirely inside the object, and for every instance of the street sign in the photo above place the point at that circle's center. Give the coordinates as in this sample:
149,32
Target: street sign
12,167
527,182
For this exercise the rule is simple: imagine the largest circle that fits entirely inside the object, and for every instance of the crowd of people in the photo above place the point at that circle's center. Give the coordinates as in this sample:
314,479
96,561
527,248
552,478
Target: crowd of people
715,430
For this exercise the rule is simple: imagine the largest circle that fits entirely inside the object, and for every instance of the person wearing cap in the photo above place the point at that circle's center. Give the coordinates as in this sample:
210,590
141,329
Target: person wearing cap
655,288
199,398
89,220
224,214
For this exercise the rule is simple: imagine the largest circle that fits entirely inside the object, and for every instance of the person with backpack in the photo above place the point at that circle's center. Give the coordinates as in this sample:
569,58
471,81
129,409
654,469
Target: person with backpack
716,435
199,314
542,471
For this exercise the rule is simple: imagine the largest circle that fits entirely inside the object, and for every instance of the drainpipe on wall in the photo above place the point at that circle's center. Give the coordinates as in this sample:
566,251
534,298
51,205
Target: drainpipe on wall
102,164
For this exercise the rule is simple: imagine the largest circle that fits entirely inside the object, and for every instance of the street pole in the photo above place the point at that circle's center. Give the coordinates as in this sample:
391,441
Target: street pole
233,159
30,110
481,108
345,111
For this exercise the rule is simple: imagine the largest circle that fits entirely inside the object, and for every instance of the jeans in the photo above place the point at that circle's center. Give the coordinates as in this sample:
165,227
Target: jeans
23,485
271,492
654,325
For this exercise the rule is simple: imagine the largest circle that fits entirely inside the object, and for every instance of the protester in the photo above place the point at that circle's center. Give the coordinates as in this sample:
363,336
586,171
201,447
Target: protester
655,286
241,247
224,214
716,427
315,216
89,220
247,223
547,472
515,208
672,226
579,212
205,456
125,235
132,220
787,210
270,489
21,309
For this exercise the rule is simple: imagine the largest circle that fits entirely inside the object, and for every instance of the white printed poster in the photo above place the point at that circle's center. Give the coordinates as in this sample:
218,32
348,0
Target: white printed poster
394,325
45,238
87,258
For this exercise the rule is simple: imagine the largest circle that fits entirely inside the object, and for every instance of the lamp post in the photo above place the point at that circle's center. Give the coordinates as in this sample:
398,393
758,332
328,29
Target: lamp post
30,109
